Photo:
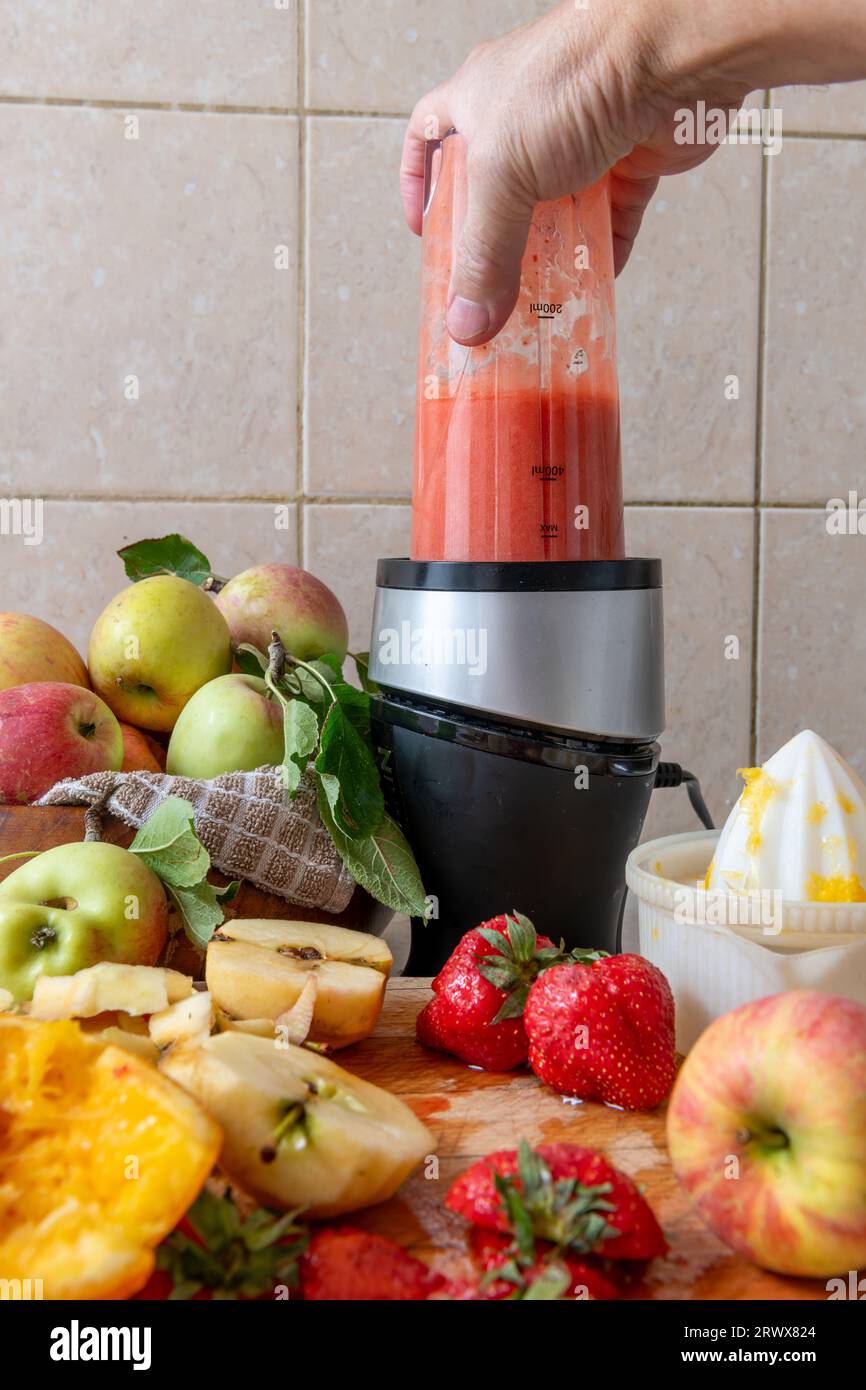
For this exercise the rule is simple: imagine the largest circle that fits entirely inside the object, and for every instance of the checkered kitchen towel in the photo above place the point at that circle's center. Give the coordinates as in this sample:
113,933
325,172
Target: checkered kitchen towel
245,820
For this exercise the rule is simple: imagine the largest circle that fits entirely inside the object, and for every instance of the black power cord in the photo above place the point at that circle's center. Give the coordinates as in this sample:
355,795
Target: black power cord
673,775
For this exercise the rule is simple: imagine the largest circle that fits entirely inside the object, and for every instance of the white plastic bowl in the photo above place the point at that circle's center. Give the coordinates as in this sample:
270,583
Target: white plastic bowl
714,966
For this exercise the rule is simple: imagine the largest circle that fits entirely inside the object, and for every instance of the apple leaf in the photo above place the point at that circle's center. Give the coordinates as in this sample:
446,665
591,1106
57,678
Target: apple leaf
250,660
172,554
301,736
347,758
199,905
382,862
362,666
167,844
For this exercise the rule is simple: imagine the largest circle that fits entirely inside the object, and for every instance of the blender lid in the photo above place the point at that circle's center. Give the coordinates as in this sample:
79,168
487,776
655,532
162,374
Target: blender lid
538,576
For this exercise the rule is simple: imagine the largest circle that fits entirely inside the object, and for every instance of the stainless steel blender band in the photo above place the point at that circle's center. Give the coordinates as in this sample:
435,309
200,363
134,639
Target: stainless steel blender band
578,660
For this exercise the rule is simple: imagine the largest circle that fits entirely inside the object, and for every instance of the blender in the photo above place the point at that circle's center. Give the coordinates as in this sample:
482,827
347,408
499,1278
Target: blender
517,652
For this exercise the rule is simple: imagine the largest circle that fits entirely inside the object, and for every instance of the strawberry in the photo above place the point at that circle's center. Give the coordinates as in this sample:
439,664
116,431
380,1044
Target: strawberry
215,1253
570,1196
604,1031
542,1272
481,990
343,1263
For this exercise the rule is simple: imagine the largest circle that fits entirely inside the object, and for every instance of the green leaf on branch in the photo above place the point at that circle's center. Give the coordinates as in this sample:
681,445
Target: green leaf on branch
172,554
199,906
167,844
359,804
382,862
251,662
301,737
362,666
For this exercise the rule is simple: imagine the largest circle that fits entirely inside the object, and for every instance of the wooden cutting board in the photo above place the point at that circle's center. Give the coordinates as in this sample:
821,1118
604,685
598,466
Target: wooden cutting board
471,1113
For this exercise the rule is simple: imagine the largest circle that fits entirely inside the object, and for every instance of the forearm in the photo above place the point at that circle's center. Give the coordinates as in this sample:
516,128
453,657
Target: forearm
759,43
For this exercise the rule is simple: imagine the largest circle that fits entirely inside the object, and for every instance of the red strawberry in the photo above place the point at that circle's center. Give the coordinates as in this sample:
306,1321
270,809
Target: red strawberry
481,990
509,1277
343,1263
215,1252
561,1193
604,1031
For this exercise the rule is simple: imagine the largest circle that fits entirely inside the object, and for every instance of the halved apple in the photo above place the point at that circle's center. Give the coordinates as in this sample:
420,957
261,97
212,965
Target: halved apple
299,1130
257,968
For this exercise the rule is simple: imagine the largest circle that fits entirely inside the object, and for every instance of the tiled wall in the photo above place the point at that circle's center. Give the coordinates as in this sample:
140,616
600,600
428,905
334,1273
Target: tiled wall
203,196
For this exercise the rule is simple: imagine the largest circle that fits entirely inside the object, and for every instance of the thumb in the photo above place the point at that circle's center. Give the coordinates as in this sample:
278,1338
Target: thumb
485,280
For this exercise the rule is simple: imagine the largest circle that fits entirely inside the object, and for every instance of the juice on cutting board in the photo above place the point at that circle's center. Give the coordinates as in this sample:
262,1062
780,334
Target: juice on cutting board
517,442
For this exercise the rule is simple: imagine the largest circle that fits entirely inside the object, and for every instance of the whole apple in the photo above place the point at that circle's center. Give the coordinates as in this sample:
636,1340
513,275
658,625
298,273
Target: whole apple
767,1132
31,650
49,731
230,725
281,598
141,753
154,646
75,905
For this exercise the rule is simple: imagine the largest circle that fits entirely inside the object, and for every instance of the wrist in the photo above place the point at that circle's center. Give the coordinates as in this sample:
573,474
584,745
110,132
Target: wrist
745,44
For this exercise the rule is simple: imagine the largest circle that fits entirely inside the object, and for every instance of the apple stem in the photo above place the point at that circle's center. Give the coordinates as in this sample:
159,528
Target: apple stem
214,583
278,656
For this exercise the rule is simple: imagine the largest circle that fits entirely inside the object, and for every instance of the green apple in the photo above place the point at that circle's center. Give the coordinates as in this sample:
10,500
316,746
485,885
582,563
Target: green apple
231,725
153,647
281,598
75,905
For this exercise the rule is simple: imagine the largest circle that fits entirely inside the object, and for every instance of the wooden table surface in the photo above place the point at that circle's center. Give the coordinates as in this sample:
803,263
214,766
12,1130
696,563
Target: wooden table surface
472,1113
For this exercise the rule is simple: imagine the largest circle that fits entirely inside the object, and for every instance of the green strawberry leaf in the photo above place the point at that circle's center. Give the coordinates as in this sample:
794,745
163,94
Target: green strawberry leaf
382,862
172,554
549,1286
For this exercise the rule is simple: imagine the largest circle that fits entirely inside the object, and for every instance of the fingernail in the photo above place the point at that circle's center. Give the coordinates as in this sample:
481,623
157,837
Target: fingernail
465,319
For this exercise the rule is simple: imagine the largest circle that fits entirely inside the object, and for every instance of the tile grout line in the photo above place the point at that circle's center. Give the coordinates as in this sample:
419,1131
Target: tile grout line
396,500
757,531
299,109
301,306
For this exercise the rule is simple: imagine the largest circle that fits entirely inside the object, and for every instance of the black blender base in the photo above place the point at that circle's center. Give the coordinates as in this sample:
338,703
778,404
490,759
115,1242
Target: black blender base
499,823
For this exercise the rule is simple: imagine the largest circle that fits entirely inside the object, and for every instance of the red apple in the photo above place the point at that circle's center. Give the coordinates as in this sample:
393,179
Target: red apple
141,753
50,730
308,617
31,650
767,1132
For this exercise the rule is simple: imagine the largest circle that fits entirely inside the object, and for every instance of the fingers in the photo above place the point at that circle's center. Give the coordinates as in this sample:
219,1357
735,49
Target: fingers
429,121
485,280
630,195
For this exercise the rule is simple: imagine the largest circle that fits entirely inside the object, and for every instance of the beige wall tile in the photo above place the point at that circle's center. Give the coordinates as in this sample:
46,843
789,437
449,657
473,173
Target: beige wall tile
234,52
687,306
840,109
363,291
72,575
814,396
155,258
812,649
385,54
341,547
707,557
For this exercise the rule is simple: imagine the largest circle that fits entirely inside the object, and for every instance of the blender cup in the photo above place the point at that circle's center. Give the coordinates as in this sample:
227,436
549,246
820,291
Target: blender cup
517,443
